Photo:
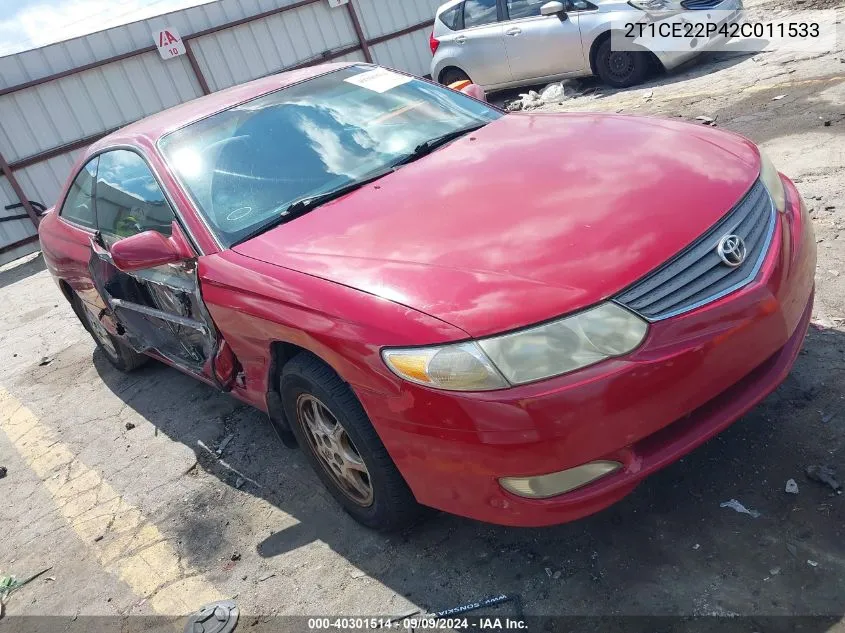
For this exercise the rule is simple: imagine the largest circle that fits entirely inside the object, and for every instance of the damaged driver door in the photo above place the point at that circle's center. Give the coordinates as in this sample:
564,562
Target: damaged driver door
146,272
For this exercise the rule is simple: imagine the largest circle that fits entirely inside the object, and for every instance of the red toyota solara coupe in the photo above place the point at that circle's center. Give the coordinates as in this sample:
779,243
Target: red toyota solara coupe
514,318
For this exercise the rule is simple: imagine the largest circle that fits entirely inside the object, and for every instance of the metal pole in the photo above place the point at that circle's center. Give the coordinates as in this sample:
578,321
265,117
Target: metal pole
356,24
192,59
10,176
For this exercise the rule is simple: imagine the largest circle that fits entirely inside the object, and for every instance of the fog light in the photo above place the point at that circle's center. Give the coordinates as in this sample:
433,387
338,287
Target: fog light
553,484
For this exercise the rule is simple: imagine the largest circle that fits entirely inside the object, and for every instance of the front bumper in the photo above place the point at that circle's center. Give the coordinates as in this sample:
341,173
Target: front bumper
694,375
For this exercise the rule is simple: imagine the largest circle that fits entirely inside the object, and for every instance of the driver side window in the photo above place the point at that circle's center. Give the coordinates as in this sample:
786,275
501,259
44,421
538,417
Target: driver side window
129,200
524,8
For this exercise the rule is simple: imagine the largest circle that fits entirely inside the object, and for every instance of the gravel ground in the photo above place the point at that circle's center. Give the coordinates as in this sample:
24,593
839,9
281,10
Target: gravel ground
282,546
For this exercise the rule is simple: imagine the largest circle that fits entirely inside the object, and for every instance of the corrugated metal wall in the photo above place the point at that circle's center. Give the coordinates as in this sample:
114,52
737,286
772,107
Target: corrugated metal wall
61,111
265,46
15,230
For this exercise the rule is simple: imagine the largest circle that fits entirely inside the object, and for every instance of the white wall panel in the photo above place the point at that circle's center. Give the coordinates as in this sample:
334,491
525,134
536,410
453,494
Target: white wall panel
13,230
42,117
43,181
381,17
265,46
41,62
410,53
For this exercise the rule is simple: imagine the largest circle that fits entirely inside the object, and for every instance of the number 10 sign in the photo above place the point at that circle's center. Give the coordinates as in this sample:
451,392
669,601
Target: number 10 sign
169,43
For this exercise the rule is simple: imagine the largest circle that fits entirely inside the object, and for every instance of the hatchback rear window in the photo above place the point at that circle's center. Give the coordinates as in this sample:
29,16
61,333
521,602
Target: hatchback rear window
453,18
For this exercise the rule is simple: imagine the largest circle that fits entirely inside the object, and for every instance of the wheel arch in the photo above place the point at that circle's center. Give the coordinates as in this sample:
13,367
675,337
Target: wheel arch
448,67
603,37
281,353
67,291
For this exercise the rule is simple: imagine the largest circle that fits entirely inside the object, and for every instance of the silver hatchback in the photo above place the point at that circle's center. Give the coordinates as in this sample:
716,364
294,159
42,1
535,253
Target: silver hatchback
506,43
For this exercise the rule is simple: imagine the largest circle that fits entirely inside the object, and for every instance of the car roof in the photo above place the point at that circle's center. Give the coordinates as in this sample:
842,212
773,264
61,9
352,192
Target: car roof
153,127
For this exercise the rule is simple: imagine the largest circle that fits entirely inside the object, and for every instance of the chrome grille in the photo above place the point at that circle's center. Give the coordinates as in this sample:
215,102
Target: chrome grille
697,275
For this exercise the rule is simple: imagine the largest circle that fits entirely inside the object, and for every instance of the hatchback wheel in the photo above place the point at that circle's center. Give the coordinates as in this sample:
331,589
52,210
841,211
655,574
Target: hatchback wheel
119,354
342,446
620,69
452,75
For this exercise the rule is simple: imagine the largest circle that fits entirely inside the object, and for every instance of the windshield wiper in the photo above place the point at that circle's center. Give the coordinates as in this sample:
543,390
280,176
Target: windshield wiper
426,147
304,205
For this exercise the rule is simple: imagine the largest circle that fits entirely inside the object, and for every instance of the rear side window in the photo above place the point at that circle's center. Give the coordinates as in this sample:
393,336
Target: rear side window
479,12
453,18
129,200
524,8
79,204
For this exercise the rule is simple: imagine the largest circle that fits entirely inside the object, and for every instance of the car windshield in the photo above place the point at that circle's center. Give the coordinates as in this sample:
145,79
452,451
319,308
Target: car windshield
244,167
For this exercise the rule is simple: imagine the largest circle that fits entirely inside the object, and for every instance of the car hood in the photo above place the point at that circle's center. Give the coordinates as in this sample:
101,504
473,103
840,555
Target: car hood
531,217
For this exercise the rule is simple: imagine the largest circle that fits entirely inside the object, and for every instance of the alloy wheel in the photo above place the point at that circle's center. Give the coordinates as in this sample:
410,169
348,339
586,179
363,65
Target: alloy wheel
334,449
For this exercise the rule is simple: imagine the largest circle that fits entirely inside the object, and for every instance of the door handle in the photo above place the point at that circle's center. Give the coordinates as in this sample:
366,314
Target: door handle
461,39
513,32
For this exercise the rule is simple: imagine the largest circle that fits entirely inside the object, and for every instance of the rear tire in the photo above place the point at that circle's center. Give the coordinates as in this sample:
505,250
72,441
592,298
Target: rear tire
451,75
620,69
123,357
377,496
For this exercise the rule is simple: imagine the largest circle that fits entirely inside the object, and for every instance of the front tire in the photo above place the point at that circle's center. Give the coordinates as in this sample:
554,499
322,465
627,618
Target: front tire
620,69
123,357
342,446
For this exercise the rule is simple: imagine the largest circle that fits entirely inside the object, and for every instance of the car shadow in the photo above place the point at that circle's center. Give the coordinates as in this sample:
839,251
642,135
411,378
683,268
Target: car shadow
705,64
667,549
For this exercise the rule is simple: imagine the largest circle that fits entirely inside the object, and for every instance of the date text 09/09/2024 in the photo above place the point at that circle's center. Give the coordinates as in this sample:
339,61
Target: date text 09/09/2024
726,29
419,623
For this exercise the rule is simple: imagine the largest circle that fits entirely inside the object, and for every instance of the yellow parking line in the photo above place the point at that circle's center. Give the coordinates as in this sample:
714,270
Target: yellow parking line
132,547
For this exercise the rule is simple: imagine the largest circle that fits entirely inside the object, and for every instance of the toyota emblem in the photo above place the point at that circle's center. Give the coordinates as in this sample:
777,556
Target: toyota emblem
731,250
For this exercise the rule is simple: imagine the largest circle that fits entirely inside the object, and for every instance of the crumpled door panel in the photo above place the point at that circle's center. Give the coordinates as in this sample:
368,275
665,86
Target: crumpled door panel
159,310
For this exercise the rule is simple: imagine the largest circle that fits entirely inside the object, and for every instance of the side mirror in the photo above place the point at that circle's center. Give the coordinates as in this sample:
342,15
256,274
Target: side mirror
552,8
150,249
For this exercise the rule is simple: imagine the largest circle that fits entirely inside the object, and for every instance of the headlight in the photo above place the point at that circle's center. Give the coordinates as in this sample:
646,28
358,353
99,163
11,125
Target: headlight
461,367
539,352
656,6
771,179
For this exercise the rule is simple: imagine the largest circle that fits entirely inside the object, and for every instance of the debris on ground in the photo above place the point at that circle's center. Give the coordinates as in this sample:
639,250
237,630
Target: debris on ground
224,444
236,555
706,120
733,504
778,98
556,92
357,573
217,617
824,475
241,478
647,96
697,546
10,584
130,426
266,577
774,571
3,471
791,487
812,563
45,360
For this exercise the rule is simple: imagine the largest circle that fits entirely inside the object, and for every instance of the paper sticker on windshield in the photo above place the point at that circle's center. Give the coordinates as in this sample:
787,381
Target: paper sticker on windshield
378,80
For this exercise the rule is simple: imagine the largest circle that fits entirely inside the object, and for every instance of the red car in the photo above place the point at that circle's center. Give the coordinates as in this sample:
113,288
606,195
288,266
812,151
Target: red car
514,318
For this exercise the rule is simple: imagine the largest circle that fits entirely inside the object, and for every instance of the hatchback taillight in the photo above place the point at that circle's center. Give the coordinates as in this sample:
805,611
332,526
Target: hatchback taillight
433,42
